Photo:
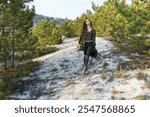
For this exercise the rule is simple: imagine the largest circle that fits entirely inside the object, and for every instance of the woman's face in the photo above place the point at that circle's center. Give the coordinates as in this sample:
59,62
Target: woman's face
87,22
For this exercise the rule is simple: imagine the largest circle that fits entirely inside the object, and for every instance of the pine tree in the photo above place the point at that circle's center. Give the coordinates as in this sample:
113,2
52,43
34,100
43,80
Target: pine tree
56,36
127,25
16,21
43,31
47,33
136,31
4,32
68,28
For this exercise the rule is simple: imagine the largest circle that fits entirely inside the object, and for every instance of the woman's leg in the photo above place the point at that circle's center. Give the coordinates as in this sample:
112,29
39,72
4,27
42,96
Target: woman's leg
87,52
88,55
85,59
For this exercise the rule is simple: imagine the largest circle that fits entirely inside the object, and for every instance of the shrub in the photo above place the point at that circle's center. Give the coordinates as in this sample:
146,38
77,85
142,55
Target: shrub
11,79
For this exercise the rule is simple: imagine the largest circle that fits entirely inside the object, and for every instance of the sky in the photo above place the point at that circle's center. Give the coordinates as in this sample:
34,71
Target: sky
64,8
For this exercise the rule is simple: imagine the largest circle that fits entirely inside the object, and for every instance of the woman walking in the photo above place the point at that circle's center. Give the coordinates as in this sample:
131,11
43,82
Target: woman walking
87,41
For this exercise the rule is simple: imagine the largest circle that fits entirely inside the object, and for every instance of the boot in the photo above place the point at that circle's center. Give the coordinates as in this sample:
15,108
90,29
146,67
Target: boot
84,69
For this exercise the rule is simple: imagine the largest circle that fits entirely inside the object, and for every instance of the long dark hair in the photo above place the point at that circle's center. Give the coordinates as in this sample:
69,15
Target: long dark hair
85,25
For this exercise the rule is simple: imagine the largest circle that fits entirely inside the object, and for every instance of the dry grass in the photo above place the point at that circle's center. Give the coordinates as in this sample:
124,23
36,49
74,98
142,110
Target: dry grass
113,91
140,97
141,75
117,74
148,84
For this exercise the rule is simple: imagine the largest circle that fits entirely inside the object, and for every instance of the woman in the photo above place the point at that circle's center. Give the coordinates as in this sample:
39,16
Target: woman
87,41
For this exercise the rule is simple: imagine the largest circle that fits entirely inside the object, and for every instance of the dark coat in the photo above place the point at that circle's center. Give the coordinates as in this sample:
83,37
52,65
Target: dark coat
85,45
83,36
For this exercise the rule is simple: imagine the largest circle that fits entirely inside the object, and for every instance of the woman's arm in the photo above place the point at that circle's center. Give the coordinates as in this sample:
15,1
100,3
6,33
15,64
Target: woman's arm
81,38
94,36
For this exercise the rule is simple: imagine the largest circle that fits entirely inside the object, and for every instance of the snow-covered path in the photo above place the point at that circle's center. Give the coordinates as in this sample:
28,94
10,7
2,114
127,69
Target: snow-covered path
59,76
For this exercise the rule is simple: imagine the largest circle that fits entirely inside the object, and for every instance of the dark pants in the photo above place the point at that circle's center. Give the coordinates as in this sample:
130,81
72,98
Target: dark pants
87,51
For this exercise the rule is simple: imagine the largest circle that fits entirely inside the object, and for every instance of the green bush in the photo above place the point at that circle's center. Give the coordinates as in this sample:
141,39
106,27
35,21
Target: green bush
46,50
36,53
56,36
147,46
2,95
11,79
47,33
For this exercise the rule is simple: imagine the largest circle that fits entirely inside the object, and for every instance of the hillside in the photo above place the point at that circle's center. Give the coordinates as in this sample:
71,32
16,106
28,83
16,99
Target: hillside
38,17
59,76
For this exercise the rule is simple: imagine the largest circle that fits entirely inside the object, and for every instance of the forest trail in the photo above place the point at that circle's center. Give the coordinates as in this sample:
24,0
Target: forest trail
59,76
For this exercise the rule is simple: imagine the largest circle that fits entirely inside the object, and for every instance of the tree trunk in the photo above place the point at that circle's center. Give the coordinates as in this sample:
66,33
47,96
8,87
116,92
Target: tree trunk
13,50
4,50
0,46
5,58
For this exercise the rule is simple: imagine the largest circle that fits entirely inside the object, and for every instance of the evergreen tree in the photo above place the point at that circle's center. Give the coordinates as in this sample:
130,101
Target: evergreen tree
43,31
78,23
56,36
47,33
136,28
67,28
127,25
16,21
